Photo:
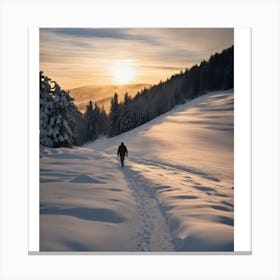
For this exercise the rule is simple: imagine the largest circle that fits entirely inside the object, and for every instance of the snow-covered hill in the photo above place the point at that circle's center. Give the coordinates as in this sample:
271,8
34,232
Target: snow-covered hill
102,95
175,192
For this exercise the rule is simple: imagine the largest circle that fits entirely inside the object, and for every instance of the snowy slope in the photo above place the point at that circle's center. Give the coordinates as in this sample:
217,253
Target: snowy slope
174,194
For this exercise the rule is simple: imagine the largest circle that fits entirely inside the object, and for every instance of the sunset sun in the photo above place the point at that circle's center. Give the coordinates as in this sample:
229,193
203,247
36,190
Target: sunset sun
123,72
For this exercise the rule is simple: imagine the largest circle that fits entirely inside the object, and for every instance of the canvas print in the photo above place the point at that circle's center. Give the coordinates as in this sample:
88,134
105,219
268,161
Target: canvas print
136,140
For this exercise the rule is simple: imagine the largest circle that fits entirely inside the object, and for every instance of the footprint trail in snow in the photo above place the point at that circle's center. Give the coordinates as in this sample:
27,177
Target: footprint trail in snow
153,233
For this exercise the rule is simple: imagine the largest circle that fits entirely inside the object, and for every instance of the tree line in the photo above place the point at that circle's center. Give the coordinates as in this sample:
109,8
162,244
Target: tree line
62,124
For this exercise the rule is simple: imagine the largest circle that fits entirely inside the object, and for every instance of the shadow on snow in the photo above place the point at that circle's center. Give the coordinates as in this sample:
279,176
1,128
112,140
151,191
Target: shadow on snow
91,214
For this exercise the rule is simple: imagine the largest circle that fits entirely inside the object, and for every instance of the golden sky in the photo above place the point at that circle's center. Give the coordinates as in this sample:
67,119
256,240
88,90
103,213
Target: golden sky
75,57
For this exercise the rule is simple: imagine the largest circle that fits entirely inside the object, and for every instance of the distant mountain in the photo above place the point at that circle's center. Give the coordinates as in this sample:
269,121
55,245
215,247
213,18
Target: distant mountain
102,94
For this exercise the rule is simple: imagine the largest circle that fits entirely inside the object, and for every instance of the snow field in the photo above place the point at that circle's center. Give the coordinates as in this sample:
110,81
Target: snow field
84,205
175,192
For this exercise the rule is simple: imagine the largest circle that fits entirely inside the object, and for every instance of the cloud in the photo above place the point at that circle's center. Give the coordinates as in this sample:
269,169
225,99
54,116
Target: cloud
89,32
71,54
160,67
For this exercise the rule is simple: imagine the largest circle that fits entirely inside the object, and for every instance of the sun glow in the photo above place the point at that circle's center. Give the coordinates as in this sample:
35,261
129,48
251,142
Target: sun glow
123,72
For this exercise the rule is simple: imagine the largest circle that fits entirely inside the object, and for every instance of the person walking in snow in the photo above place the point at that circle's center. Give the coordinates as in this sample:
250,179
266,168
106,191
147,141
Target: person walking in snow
122,152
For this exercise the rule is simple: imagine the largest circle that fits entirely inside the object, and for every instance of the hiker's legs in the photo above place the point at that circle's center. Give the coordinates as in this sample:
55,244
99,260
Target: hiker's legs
122,161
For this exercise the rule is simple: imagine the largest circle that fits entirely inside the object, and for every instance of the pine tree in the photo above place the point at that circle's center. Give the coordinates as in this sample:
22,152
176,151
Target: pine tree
89,121
115,116
58,115
104,121
96,121
126,118
46,107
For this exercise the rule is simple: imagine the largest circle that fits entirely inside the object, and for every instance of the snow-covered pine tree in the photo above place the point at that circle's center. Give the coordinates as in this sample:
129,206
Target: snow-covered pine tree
46,107
127,123
96,121
126,119
140,119
58,115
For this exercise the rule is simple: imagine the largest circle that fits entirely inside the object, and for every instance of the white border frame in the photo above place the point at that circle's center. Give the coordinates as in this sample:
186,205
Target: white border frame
242,144
17,16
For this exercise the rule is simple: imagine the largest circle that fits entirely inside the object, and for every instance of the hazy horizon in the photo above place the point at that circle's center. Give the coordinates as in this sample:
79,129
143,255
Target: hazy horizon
78,57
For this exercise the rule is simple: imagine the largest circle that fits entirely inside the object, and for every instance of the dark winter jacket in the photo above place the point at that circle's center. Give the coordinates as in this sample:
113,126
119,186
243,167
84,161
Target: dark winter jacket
122,150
